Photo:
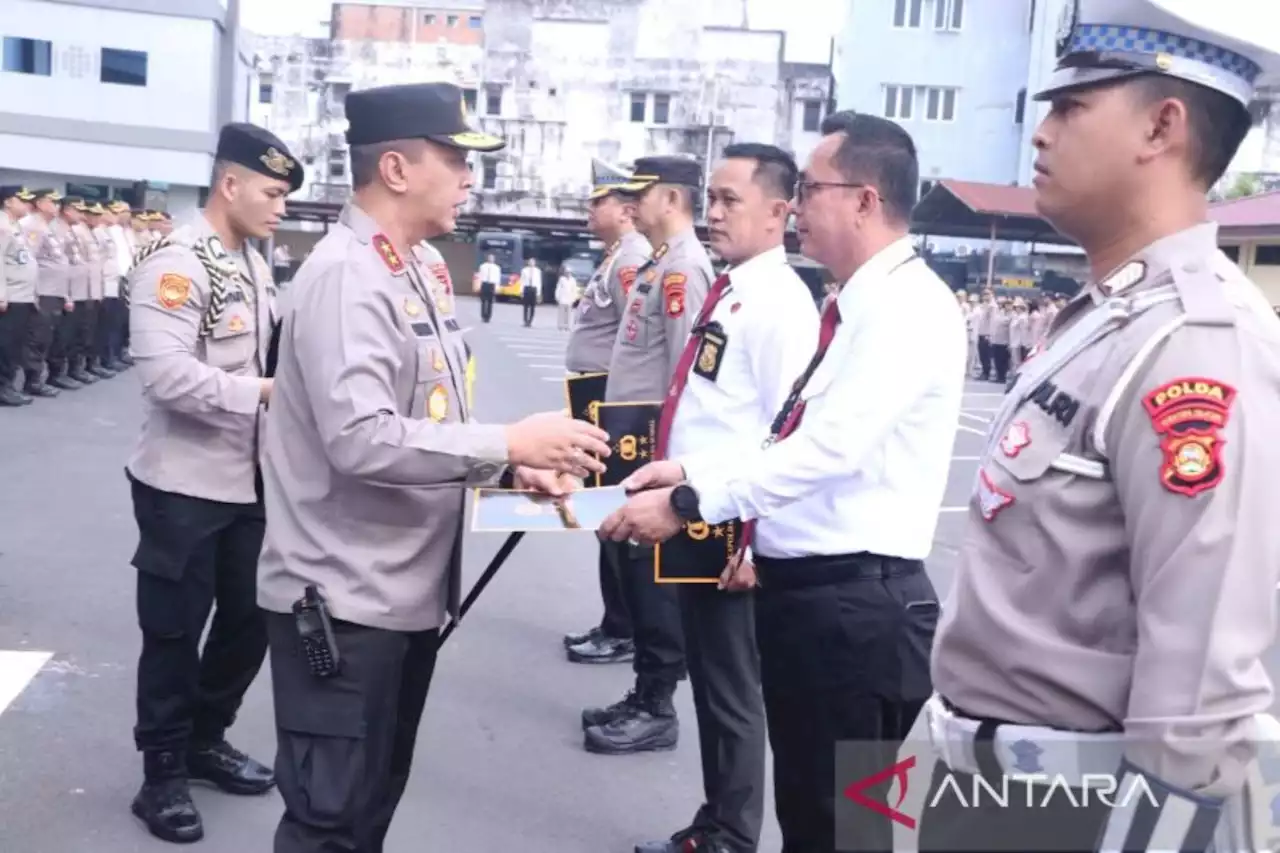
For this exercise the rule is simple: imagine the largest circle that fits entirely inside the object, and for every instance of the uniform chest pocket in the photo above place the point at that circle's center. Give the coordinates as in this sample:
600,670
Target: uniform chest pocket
1030,446
232,342
433,388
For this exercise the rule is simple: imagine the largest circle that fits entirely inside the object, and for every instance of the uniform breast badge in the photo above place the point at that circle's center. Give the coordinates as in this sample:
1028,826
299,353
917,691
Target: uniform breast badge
1189,415
438,403
710,355
673,289
174,290
411,307
437,359
236,323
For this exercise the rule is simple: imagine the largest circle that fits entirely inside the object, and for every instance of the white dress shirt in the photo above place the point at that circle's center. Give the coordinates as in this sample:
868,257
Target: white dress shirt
490,273
531,279
867,467
770,327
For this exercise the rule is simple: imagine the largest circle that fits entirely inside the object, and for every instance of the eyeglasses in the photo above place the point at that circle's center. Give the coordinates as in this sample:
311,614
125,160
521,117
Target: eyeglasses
806,188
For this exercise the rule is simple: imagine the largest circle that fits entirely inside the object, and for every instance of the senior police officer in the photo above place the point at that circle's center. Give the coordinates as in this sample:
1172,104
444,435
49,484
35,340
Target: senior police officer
41,230
370,448
611,217
1116,591
201,312
17,290
668,293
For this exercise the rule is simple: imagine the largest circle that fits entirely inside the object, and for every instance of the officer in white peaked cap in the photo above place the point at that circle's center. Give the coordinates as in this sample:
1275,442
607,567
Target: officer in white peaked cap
1117,583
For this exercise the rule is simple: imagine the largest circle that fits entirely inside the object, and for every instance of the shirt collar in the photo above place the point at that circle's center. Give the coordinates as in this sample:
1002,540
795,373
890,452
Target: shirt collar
876,268
757,267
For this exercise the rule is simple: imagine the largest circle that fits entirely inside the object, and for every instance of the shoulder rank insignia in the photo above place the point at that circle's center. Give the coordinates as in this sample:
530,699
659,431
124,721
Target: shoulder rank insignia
1189,415
673,288
388,253
174,290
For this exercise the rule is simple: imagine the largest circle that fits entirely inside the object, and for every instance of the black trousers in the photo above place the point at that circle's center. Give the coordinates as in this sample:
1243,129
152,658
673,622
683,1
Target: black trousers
1000,356
1041,822
529,299
724,673
15,326
345,743
62,345
984,355
486,302
113,319
41,336
193,553
844,652
655,619
616,621
84,324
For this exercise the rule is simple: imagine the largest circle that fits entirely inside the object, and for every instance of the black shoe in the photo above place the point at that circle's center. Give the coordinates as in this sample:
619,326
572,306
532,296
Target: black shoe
684,841
41,390
101,372
9,396
230,770
651,726
618,710
164,801
116,366
127,360
66,383
571,640
602,650
82,376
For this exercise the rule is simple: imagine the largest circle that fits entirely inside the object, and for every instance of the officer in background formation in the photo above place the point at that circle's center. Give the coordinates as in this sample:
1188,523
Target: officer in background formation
40,231
611,218
17,290
1116,589
113,321
668,293
202,310
370,450
64,371
83,354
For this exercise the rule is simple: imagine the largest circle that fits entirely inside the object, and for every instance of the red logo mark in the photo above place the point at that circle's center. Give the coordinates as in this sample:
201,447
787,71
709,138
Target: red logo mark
896,772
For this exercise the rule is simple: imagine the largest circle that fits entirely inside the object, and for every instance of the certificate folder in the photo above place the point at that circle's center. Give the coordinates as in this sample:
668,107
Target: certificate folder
697,554
511,510
633,432
583,393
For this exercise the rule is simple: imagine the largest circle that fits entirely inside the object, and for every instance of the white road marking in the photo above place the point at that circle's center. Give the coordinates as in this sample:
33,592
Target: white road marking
984,420
16,671
965,458
559,379
954,509
981,432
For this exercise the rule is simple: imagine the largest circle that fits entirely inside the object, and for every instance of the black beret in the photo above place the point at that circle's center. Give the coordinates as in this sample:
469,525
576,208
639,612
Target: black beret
666,170
435,111
259,150
17,191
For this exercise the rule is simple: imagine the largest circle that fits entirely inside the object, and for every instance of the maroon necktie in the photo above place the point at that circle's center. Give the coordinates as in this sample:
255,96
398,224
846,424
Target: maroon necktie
793,409
681,377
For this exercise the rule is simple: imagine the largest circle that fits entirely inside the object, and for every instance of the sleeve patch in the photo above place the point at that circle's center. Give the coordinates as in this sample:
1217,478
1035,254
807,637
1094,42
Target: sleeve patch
174,290
627,277
673,289
1189,415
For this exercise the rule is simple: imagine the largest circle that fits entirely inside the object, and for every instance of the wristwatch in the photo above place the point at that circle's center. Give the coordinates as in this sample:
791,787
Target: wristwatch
684,501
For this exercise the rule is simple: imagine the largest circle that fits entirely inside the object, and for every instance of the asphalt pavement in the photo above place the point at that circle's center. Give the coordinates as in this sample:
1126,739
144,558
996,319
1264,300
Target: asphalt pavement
500,764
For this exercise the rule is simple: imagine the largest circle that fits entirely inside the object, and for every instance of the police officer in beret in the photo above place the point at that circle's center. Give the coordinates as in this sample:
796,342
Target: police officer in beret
370,450
17,290
1116,592
201,306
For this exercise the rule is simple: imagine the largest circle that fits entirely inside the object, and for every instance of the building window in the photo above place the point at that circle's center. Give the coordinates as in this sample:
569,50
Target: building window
125,67
475,22
1232,252
661,109
938,102
907,13
428,19
948,14
1020,107
925,186
639,100
493,100
28,56
1266,256
452,20
488,174
898,101
812,116
469,97
264,93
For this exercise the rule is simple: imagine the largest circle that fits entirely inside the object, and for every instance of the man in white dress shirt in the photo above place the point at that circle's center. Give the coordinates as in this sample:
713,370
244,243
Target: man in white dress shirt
751,340
844,504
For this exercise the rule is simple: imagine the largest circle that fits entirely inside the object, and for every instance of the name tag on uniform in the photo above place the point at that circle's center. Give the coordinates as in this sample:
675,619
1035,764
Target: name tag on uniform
235,296
710,354
452,325
423,330
644,288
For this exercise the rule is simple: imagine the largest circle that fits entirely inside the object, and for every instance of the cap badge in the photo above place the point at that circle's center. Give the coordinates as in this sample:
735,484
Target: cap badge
1067,22
277,162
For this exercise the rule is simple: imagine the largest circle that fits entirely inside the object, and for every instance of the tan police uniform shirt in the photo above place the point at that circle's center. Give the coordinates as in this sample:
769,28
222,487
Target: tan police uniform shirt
369,442
1120,563
17,264
77,263
201,386
91,252
51,257
668,293
603,300
110,256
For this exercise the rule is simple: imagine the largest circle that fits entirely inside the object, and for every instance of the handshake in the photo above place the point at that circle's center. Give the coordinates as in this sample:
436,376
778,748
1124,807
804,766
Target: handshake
552,452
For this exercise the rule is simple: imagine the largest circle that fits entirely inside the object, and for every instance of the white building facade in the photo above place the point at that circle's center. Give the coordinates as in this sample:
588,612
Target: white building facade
119,98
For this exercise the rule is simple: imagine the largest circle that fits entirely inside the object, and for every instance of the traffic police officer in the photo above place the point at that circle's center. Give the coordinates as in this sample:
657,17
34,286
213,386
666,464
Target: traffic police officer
201,313
17,290
1120,569
667,295
370,448
610,216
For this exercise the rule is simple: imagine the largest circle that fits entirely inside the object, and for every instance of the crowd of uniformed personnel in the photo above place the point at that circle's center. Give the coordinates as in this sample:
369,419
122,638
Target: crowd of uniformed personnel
64,263
1004,330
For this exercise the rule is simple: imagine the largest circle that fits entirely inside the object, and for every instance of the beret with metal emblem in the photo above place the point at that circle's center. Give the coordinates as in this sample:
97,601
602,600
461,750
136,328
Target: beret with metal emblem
607,178
259,150
17,191
667,169
434,111
1224,45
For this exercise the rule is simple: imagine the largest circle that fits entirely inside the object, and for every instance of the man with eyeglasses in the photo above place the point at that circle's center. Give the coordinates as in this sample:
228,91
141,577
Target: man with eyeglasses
841,503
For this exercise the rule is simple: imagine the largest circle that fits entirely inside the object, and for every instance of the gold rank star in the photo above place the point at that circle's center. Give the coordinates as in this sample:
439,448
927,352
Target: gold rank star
717,531
644,439
644,454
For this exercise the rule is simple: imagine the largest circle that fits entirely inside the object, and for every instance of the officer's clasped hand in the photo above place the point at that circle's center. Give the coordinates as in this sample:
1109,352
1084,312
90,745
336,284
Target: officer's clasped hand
554,441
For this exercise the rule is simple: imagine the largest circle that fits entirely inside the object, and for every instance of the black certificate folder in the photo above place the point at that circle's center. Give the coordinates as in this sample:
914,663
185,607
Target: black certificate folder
633,432
510,510
584,392
697,554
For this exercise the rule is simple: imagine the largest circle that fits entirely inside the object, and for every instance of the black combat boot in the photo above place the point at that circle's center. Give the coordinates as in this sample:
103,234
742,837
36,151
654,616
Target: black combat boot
685,841
164,803
649,726
63,381
9,396
228,768
602,649
616,711
79,374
